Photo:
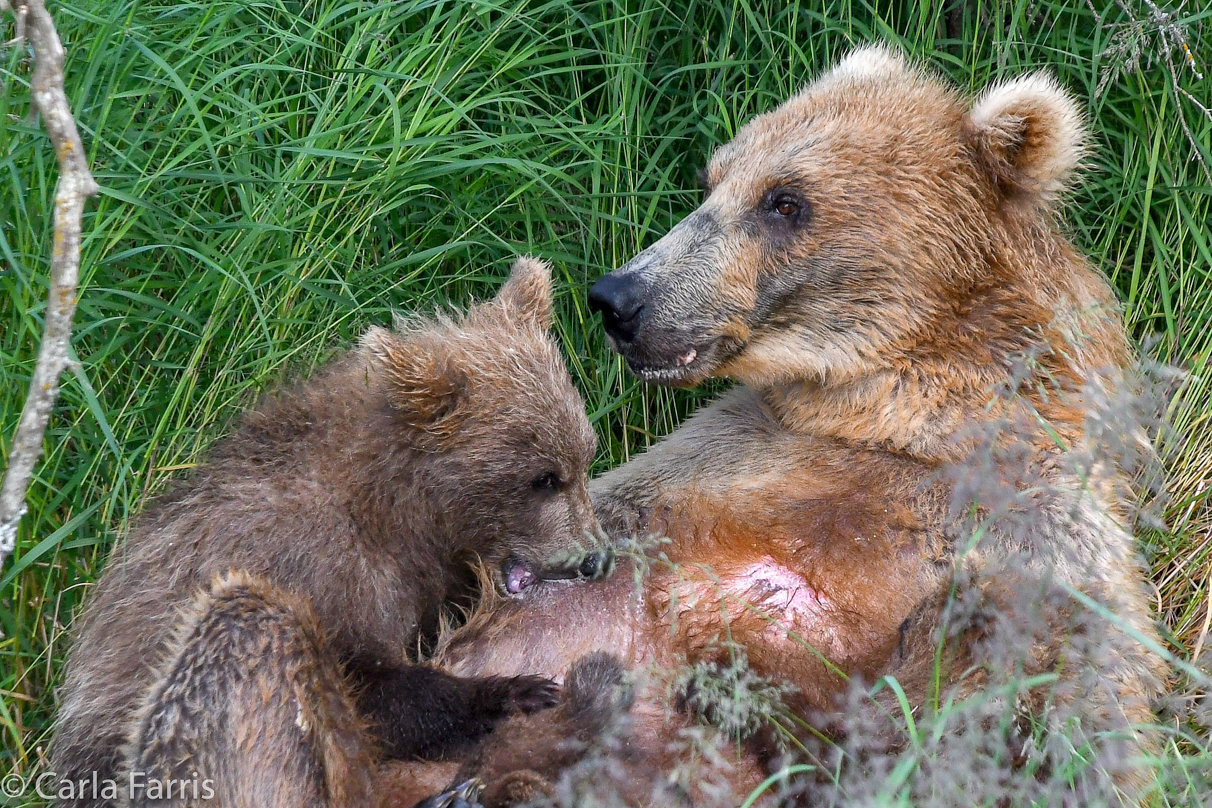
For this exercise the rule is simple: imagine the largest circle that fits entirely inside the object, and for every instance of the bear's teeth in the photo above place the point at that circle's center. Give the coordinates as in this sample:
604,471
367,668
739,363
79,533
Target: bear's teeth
687,358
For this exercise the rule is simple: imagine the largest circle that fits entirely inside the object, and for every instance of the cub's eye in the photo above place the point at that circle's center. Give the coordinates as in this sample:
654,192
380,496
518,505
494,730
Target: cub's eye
546,482
786,206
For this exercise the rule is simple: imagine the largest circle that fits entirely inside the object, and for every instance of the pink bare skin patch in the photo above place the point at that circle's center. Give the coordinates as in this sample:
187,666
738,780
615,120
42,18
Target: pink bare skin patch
798,613
777,589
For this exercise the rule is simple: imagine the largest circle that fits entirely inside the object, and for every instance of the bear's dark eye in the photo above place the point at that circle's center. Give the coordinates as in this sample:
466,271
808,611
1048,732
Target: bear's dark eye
549,481
786,206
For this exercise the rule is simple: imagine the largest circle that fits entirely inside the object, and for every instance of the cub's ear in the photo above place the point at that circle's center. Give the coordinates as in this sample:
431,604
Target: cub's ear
1030,135
527,296
424,384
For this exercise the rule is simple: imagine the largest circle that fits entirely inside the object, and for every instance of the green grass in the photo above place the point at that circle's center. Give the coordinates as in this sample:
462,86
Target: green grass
277,175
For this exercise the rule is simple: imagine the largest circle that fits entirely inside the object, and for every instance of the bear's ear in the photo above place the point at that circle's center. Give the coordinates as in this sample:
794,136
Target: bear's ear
1029,133
871,61
527,296
425,386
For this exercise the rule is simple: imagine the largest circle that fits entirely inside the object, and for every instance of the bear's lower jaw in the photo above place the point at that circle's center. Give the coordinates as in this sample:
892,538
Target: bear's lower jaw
688,367
675,376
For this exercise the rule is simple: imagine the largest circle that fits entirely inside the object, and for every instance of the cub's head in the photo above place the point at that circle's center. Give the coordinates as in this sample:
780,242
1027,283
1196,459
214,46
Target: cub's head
845,225
504,443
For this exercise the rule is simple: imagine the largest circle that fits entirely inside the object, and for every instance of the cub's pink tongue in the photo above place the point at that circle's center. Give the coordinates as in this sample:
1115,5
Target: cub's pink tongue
518,576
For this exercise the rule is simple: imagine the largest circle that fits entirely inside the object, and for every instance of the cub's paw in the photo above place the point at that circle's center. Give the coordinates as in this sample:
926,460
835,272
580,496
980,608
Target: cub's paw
464,795
529,694
518,694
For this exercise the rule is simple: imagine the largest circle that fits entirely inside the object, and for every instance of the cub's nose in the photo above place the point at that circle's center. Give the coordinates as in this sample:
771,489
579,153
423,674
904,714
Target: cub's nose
618,298
597,565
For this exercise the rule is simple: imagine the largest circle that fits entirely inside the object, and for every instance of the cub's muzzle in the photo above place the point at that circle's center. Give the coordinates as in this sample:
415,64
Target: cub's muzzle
518,575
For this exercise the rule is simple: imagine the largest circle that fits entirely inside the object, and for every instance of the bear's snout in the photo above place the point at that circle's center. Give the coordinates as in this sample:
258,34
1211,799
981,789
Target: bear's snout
663,310
619,297
598,564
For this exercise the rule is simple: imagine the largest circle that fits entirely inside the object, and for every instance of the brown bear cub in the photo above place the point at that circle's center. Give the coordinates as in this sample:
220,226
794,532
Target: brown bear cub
259,626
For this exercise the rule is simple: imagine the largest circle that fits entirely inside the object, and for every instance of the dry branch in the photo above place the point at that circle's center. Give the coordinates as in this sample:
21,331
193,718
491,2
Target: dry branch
75,185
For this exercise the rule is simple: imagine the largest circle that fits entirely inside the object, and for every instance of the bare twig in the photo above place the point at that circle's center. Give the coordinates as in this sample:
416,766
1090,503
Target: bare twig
76,185
19,28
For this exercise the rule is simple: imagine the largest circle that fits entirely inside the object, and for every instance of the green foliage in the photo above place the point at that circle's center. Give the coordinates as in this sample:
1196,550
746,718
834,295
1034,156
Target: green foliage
277,175
729,694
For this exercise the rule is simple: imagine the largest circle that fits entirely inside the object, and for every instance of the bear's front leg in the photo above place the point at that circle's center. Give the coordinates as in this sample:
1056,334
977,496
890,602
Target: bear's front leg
629,509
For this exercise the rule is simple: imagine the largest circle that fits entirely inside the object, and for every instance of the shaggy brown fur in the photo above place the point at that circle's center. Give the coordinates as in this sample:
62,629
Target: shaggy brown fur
875,260
352,504
610,741
253,706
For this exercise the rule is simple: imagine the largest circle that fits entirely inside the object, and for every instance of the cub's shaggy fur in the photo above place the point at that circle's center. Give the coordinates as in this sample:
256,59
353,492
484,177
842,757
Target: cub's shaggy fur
351,506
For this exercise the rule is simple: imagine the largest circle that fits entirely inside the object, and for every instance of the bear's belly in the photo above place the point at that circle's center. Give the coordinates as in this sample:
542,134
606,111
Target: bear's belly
805,553
810,607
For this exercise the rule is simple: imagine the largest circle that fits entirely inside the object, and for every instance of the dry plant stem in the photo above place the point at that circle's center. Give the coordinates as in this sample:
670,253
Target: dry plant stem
1203,632
76,185
1171,35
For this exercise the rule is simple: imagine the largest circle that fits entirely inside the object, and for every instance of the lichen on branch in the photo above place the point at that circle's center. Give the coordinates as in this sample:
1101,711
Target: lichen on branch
35,26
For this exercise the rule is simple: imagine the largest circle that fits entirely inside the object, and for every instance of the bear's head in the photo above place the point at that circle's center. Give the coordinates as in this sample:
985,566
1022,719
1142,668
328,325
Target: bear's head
840,231
486,404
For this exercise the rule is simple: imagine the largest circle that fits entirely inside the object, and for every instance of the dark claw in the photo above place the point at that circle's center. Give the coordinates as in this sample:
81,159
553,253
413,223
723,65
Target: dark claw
530,694
500,696
464,795
470,790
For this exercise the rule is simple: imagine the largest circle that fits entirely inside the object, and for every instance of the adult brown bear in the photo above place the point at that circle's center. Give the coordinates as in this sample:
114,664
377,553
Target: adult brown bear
908,479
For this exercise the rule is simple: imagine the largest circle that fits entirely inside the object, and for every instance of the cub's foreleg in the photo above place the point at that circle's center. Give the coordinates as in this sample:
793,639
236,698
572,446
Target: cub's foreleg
417,712
253,707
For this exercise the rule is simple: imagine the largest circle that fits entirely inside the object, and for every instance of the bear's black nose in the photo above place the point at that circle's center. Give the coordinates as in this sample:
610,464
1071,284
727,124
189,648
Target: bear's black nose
618,297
